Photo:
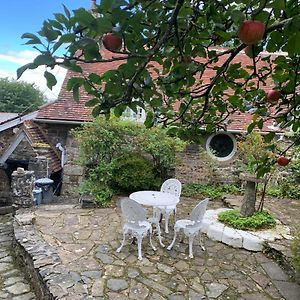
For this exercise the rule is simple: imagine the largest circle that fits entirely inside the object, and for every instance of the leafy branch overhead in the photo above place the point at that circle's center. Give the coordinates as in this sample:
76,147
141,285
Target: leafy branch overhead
180,60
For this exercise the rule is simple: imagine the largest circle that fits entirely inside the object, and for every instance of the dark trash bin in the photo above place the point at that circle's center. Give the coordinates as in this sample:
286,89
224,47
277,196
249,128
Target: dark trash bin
37,196
46,185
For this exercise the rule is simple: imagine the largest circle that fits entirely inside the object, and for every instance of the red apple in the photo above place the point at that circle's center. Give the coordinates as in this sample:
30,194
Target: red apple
251,32
112,42
274,95
283,161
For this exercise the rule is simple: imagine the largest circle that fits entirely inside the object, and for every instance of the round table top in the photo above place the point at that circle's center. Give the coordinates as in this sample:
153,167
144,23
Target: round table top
154,198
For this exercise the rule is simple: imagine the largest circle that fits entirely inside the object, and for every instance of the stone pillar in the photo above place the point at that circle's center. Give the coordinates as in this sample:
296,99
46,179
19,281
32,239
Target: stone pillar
22,183
248,204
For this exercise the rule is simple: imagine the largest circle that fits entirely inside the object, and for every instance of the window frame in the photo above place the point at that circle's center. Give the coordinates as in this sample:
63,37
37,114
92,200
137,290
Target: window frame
232,153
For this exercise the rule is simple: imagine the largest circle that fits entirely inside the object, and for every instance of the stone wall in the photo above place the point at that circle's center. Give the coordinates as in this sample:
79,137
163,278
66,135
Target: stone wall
24,151
196,166
5,192
56,133
73,172
5,139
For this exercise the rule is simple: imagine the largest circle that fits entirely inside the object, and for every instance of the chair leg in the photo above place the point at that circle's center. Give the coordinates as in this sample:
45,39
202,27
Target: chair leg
123,242
167,216
139,240
201,241
174,239
151,241
159,234
191,239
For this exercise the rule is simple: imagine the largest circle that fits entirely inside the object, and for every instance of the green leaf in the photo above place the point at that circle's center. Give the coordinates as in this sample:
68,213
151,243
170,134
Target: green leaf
149,122
251,127
269,137
92,102
293,45
67,38
51,80
106,4
33,38
83,16
118,111
67,12
95,78
96,111
22,69
44,59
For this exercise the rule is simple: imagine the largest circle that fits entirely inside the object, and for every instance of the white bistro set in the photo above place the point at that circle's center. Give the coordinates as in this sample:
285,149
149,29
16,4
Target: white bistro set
136,223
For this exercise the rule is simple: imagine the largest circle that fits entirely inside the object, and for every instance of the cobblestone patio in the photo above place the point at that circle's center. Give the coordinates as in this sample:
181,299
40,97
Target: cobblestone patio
86,240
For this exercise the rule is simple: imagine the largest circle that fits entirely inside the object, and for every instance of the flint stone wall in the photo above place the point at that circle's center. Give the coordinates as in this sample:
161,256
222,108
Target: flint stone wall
196,166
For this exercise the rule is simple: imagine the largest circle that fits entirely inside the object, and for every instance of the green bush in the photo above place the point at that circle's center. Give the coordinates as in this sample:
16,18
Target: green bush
131,172
296,253
258,220
285,190
208,190
103,146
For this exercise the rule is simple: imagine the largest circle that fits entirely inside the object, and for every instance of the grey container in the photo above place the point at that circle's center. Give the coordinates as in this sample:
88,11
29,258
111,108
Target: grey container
46,185
37,196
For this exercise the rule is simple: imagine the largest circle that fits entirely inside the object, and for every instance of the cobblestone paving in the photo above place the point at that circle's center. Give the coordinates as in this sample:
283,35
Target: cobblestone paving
12,282
86,241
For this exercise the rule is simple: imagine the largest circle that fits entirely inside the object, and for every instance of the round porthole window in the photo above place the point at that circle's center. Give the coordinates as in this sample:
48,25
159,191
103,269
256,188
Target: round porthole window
221,145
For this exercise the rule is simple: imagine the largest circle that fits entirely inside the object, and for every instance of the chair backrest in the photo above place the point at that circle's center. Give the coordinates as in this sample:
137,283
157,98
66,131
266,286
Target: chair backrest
198,212
132,211
172,186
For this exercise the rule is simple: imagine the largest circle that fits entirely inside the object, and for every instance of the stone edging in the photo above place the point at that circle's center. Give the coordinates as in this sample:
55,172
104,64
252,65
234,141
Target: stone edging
249,240
42,264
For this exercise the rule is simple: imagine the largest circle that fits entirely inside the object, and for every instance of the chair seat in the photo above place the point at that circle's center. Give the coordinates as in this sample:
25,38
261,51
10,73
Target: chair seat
141,226
184,223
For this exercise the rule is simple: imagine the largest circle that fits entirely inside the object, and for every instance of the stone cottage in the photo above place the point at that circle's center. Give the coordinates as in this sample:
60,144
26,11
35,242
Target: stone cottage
42,141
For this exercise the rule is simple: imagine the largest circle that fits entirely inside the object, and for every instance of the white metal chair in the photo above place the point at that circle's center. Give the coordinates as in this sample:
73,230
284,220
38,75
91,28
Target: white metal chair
192,226
172,186
135,223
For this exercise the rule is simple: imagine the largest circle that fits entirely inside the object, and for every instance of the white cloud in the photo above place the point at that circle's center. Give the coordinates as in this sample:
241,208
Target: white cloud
11,61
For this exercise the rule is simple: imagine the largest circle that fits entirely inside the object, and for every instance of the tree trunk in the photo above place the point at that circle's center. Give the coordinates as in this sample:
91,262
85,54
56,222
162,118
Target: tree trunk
248,205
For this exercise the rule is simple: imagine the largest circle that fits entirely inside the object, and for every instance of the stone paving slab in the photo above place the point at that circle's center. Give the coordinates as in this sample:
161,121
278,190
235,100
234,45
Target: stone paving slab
86,242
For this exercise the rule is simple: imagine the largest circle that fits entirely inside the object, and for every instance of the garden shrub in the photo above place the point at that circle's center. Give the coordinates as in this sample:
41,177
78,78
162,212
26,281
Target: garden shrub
259,220
104,144
131,172
209,190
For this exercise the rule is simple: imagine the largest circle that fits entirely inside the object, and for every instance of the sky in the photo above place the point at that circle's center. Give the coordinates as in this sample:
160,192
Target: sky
18,17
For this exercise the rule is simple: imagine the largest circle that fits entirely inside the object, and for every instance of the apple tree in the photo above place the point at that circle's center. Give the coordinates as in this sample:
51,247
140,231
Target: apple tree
165,49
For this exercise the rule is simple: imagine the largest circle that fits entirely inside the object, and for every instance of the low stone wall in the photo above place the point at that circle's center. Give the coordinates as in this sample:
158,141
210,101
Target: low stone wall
42,264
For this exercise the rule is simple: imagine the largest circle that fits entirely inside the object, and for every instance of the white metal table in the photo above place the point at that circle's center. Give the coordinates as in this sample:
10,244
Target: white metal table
154,198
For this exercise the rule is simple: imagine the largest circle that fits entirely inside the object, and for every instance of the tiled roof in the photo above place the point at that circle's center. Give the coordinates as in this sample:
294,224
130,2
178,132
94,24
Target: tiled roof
37,136
66,109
